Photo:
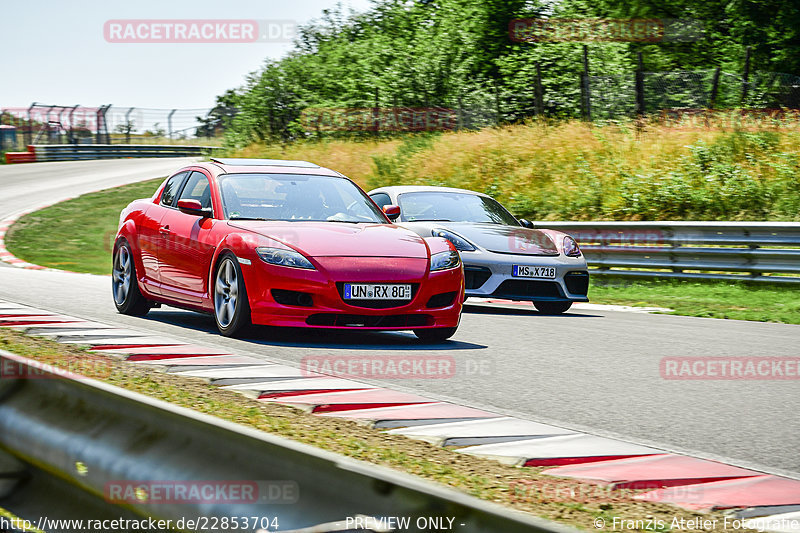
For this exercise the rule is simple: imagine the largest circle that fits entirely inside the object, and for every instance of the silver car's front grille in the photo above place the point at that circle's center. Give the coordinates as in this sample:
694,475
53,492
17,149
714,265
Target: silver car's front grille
475,276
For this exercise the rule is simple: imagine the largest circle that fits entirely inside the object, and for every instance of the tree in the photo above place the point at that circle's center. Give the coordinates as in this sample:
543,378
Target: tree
219,119
126,127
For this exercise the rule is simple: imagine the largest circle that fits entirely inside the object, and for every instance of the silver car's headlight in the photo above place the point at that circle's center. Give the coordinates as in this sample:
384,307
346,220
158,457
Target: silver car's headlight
461,244
571,248
281,257
445,260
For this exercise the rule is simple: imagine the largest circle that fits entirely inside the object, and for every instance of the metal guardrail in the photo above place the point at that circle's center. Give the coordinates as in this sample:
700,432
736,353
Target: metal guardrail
703,250
64,440
69,152
72,152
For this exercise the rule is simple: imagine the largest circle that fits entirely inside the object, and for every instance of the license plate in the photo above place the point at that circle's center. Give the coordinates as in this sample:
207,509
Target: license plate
525,271
379,291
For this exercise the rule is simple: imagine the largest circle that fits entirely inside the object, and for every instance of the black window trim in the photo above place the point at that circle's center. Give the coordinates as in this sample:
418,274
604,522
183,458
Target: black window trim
186,182
389,196
178,191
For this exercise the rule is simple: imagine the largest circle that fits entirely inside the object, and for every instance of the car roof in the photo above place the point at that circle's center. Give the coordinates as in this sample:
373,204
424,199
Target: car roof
402,189
218,166
245,162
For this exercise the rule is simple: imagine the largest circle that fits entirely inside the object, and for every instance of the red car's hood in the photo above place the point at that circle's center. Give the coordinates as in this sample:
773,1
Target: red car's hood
321,239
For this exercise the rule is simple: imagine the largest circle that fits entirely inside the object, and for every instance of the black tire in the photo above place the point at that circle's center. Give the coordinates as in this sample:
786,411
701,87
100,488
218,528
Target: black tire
435,334
229,294
124,283
552,308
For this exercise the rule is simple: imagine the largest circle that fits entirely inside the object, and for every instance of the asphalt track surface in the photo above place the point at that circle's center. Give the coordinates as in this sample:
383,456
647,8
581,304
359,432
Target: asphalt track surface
593,371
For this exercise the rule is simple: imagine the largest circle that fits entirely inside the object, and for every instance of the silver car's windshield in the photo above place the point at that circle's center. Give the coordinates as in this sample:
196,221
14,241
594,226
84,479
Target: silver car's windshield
297,197
453,207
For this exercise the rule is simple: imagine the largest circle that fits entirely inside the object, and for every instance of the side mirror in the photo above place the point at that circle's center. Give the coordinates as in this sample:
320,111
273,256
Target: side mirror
193,207
526,223
391,211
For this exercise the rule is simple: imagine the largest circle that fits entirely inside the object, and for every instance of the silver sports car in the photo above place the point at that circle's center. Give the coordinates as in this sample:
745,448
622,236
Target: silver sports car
503,257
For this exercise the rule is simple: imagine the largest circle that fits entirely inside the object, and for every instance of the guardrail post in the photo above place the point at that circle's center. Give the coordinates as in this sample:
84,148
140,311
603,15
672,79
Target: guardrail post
750,259
669,234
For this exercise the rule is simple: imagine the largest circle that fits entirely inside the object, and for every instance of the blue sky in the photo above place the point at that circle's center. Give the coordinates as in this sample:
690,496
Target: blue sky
55,52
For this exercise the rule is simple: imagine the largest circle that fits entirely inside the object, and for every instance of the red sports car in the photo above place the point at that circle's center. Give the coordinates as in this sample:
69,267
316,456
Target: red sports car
282,243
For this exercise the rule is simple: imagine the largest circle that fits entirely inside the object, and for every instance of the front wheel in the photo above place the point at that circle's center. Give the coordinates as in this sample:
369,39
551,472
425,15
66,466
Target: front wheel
552,308
127,297
435,334
231,307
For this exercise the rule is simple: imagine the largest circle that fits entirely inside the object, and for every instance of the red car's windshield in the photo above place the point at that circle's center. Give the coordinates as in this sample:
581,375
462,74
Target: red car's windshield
295,197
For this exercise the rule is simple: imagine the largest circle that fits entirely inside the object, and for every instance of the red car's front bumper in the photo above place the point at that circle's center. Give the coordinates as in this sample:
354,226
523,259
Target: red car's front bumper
278,295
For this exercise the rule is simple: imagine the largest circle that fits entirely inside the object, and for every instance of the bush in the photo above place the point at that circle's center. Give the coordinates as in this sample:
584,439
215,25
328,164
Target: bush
569,170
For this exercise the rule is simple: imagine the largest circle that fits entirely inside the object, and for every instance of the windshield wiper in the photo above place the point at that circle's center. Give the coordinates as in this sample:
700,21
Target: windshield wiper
431,220
248,218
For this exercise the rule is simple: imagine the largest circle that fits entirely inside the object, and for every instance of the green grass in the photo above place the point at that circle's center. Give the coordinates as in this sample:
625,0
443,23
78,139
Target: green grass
78,234
735,300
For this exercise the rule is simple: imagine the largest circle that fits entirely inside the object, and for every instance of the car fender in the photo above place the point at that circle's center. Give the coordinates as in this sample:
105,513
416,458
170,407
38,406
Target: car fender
438,244
127,231
243,245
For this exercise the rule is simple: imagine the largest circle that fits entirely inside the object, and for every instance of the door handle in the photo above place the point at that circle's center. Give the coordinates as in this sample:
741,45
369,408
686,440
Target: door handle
164,230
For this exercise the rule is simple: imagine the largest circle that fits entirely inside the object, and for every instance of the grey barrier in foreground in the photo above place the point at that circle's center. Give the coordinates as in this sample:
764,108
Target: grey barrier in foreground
702,250
64,440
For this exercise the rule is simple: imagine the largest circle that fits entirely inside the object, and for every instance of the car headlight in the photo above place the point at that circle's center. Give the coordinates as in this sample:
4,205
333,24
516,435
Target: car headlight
445,260
281,257
461,244
571,247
